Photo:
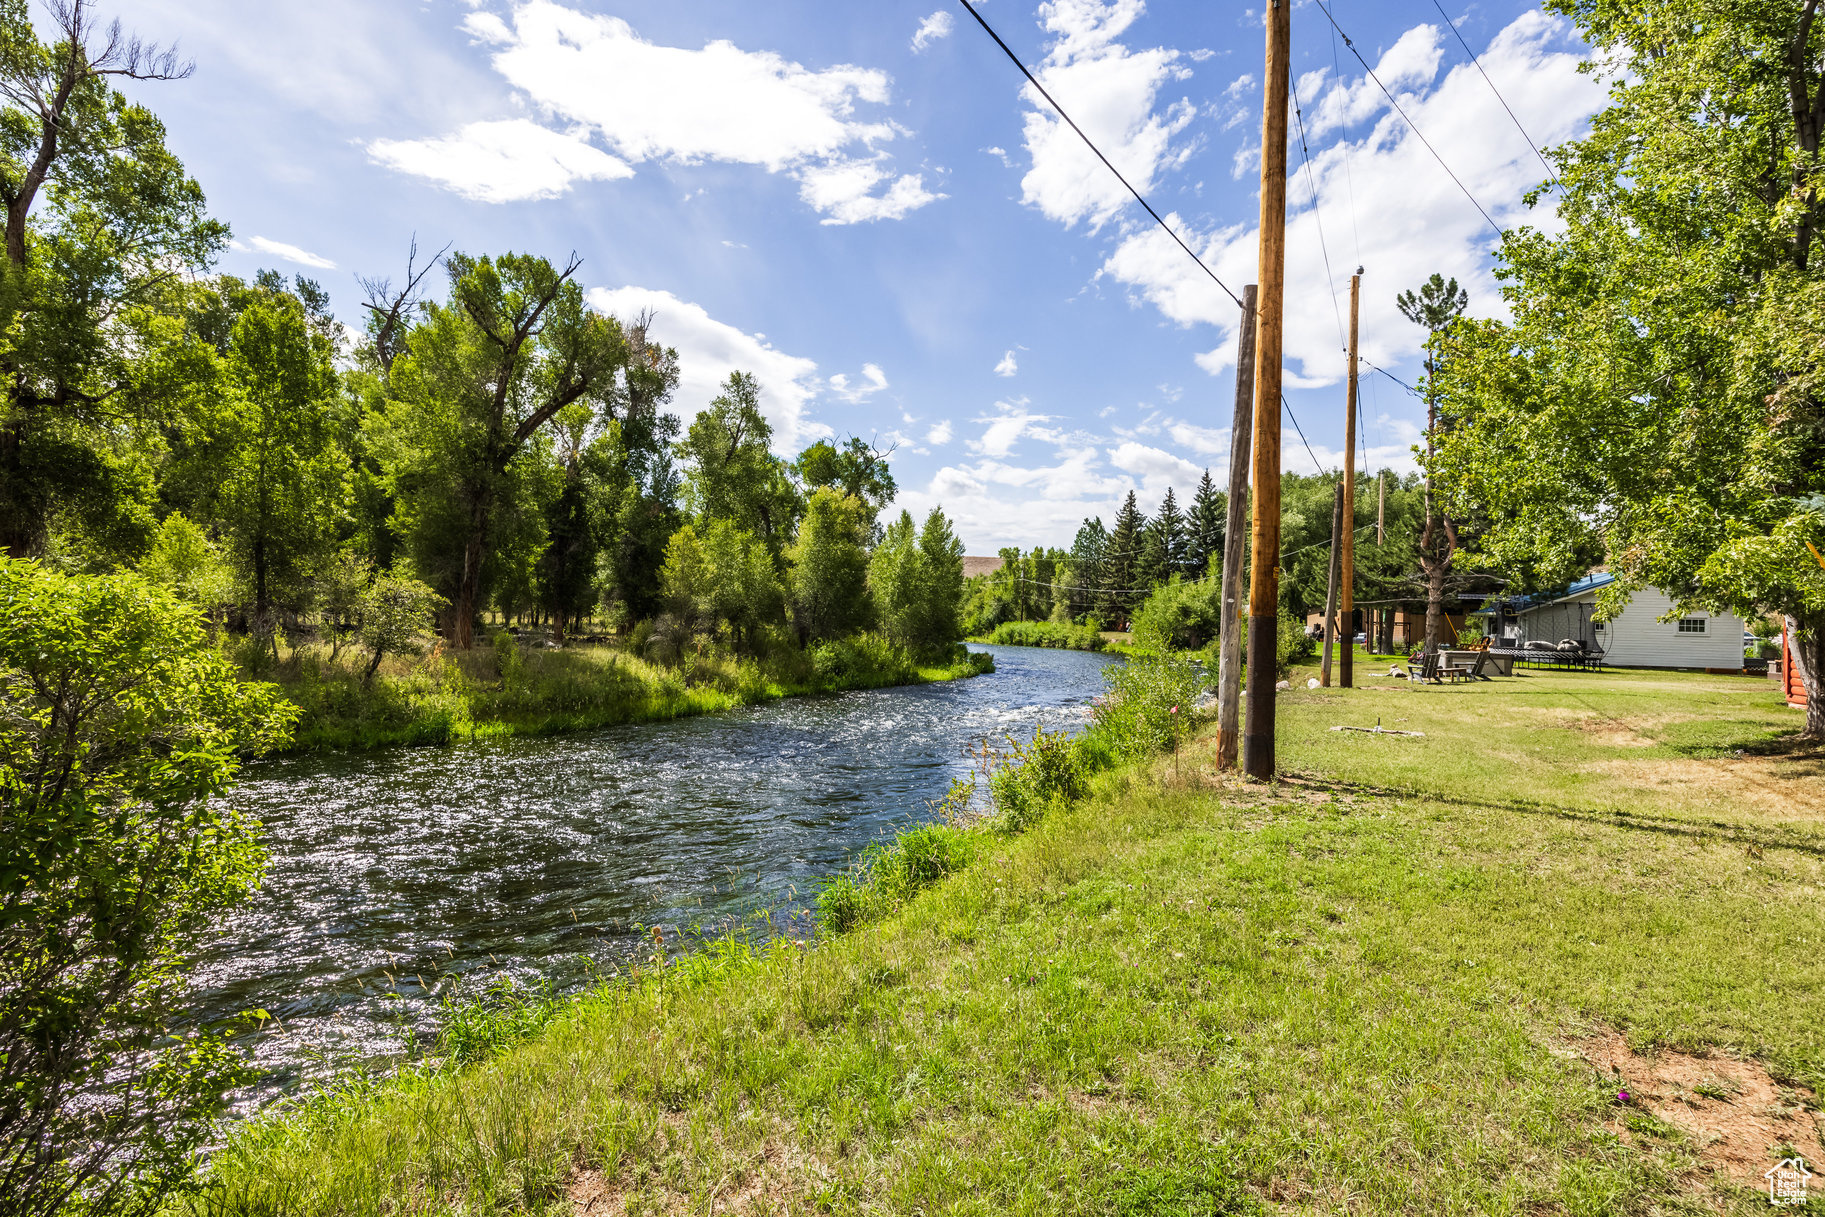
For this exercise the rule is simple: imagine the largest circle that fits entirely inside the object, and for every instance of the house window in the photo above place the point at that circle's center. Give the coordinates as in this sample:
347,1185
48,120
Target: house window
1598,626
1691,625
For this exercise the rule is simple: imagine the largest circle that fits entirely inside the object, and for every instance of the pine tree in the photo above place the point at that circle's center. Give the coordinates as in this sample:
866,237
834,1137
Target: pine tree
1087,551
1122,560
1155,565
1175,540
1209,514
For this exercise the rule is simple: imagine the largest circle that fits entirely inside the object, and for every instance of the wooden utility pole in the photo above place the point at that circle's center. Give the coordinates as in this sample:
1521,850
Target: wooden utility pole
1235,541
1264,571
1346,673
1381,509
1330,588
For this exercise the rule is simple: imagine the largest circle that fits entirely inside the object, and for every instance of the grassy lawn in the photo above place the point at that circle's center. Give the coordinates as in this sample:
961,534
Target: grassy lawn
1401,981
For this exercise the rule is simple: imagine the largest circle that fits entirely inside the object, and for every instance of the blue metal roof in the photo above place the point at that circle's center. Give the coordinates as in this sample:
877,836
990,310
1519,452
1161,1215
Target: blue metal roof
1521,604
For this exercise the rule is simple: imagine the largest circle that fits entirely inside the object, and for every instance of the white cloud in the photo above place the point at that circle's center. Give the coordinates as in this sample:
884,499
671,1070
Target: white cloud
1422,222
934,27
1008,365
708,350
678,104
940,433
501,162
843,190
872,382
1110,92
1155,467
290,253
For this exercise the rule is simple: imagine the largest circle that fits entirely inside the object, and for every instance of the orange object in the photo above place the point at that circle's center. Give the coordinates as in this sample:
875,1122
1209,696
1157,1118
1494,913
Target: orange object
1791,684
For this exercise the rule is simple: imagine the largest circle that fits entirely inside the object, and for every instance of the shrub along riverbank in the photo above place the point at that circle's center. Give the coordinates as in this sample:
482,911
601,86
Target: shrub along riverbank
513,689
1144,988
1062,635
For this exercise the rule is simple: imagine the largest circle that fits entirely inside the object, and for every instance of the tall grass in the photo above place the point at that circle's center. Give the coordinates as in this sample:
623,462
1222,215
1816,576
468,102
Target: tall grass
511,689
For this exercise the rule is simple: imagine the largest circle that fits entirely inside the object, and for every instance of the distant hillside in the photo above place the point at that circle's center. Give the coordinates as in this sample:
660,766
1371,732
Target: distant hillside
980,566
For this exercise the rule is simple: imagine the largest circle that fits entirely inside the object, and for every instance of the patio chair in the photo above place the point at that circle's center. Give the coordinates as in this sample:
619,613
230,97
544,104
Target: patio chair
1428,673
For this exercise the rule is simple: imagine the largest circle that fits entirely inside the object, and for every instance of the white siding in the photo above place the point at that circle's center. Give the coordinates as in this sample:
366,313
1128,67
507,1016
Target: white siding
1636,640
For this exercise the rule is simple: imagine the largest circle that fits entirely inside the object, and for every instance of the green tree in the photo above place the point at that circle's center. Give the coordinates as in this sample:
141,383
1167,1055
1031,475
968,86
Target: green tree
1660,385
941,552
1088,550
856,468
119,726
1435,307
1122,561
100,221
479,377
282,477
184,562
830,566
722,576
396,611
733,473
1205,526
896,582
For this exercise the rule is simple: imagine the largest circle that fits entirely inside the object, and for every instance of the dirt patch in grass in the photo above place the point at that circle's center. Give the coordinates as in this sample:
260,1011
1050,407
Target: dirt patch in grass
1783,792
1739,1120
769,1178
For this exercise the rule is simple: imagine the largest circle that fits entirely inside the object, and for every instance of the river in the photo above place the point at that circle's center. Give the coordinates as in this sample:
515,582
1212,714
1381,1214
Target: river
400,877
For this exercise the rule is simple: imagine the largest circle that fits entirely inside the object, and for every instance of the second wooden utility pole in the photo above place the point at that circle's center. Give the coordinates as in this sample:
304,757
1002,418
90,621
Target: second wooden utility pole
1346,675
1235,542
1330,592
1264,567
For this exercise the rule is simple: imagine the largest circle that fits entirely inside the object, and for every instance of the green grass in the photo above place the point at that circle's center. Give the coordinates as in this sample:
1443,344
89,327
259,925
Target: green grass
1355,991
445,696
1057,634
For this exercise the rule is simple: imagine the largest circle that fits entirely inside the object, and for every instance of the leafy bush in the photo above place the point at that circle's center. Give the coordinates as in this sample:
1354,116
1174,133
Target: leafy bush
1179,616
1147,709
1296,646
119,723
1062,635
1048,769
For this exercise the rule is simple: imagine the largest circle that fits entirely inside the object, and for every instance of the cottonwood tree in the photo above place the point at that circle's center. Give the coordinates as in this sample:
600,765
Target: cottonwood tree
479,376
1435,307
1662,383
100,217
830,572
733,474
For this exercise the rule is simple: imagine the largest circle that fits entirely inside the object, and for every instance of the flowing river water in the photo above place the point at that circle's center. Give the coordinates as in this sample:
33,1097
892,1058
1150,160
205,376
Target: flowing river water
401,878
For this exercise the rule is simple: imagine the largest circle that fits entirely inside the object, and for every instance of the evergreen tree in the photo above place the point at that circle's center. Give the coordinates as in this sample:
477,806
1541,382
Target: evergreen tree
1155,565
1209,516
1122,560
1087,551
1175,538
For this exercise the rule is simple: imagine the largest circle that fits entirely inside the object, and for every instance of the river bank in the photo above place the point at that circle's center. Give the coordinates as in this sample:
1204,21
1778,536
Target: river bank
1367,986
508,689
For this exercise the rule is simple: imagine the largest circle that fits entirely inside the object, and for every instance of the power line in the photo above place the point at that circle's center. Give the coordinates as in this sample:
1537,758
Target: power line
1403,114
1031,79
1551,174
1316,463
1311,183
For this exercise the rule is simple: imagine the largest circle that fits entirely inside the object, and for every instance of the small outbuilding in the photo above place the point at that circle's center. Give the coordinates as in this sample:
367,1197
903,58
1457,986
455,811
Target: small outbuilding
1637,637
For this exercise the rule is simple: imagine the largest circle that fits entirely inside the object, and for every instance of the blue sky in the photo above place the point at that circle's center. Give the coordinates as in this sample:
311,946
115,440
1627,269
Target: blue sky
862,205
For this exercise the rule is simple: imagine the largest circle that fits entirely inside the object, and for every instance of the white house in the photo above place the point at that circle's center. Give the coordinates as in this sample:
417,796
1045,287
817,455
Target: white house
1634,638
